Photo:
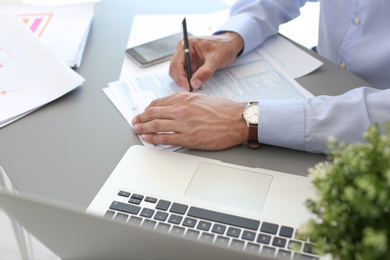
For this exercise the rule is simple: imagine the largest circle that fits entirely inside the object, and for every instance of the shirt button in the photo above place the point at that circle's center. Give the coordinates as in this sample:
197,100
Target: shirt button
343,66
357,20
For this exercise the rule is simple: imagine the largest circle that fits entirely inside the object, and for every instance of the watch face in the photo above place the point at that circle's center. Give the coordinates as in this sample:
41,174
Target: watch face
251,114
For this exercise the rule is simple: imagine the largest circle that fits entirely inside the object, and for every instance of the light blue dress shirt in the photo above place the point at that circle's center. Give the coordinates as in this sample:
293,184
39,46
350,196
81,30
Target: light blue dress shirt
354,34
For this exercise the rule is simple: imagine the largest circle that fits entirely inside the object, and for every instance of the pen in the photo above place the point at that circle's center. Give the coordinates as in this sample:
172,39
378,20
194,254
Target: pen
187,53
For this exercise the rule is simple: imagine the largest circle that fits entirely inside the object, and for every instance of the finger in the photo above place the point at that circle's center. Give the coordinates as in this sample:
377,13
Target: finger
163,139
153,113
177,69
203,74
157,126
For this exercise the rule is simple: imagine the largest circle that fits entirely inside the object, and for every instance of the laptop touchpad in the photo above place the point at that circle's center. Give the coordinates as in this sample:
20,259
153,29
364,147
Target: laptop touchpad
229,186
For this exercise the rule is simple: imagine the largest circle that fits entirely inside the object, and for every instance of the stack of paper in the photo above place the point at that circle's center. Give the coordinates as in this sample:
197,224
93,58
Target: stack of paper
63,29
30,75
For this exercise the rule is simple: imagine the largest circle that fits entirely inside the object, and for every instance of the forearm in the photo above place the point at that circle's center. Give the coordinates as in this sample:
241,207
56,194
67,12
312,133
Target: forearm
307,124
255,21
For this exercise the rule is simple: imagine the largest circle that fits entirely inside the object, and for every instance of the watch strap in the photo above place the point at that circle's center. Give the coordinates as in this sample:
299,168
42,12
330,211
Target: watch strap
253,140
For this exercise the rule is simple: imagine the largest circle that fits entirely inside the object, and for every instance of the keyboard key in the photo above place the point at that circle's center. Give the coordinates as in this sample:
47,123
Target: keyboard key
148,223
151,199
279,242
203,225
223,218
192,234
295,245
175,219
136,221
109,214
137,196
121,217
298,256
269,228
237,244
233,232
124,193
286,231
162,216
221,241
309,248
248,235
134,201
163,205
147,213
178,208
120,206
177,231
263,238
252,248
219,229
163,227
189,222
207,237
283,254
268,251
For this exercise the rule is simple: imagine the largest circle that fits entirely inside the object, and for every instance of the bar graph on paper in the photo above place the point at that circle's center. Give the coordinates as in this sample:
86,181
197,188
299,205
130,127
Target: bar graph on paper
37,22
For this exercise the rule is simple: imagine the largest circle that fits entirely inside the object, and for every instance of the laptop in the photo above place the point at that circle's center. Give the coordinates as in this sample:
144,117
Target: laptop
162,205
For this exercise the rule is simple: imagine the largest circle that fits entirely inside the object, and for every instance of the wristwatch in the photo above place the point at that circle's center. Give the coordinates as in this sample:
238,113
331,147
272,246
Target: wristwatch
250,114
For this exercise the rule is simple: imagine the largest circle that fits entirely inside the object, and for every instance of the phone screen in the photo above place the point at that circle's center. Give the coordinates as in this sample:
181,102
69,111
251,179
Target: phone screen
155,51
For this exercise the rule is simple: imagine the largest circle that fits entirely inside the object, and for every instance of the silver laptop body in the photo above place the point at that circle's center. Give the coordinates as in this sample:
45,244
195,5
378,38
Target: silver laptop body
179,179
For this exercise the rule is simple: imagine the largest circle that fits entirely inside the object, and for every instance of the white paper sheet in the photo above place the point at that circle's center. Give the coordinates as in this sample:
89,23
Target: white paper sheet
30,75
62,28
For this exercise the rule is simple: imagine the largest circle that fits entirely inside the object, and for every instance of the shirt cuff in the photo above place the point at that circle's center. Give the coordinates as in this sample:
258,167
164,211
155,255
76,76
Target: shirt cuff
282,123
247,28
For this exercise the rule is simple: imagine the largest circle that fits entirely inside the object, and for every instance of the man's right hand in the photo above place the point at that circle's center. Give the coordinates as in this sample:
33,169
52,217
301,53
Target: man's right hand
208,54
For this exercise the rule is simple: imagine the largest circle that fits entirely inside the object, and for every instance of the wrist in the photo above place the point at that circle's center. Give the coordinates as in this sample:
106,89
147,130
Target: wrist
244,133
237,42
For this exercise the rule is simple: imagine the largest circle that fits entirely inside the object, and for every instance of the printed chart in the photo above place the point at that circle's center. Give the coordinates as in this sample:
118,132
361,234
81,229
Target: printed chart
37,22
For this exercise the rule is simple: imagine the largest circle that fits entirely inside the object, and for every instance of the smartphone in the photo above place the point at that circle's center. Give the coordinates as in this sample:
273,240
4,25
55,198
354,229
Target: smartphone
154,52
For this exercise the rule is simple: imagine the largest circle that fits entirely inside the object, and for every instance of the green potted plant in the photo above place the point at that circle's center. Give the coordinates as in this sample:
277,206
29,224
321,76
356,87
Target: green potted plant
351,209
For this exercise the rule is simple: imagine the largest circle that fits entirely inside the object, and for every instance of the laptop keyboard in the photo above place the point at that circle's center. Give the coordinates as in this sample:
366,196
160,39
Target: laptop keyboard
253,236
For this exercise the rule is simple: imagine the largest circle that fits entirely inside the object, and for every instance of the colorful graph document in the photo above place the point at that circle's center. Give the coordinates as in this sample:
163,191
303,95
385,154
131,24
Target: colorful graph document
30,75
63,29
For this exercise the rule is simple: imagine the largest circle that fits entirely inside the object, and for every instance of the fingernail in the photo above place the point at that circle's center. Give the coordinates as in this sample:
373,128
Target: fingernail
135,128
133,121
197,84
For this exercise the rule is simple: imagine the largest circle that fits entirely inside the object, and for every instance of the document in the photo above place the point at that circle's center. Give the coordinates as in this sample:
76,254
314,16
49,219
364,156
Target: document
30,75
266,73
251,77
63,29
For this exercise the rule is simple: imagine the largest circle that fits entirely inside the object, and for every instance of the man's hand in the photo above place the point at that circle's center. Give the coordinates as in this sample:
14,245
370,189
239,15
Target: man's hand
193,121
207,55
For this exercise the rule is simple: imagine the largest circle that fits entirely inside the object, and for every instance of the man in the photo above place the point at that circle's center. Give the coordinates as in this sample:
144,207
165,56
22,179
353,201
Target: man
353,34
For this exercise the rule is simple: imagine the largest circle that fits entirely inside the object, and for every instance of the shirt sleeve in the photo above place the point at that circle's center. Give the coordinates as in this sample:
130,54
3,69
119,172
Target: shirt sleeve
307,124
256,20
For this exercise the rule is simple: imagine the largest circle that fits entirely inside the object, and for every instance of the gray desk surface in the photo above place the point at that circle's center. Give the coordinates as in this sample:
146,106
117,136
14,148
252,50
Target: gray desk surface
68,148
